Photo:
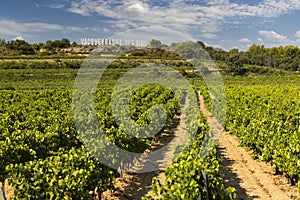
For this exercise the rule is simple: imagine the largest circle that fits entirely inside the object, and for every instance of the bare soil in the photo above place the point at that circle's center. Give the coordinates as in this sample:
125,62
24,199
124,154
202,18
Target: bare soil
252,178
137,185
8,190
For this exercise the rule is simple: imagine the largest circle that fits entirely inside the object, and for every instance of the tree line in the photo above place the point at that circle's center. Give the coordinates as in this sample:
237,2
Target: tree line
281,57
286,58
22,47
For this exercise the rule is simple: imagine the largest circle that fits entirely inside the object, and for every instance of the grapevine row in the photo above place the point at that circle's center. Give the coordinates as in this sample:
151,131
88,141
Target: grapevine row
266,119
41,152
192,176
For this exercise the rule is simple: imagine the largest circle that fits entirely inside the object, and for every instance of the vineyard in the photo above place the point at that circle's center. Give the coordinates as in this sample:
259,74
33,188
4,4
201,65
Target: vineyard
192,176
266,119
150,100
43,155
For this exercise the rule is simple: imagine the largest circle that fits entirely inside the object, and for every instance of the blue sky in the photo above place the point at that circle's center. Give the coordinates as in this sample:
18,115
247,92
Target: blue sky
220,23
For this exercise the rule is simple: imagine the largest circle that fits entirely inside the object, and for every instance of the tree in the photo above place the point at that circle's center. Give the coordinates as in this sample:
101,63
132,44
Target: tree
292,51
155,44
36,47
257,54
201,44
218,54
21,46
235,63
57,44
74,44
2,42
49,45
65,43
234,51
189,50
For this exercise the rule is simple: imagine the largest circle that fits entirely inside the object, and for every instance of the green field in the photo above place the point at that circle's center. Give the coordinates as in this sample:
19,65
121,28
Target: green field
42,156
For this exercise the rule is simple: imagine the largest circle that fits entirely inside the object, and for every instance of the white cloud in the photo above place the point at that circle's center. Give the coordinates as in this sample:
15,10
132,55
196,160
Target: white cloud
138,7
207,16
9,27
245,40
272,36
56,6
18,38
209,36
15,29
297,34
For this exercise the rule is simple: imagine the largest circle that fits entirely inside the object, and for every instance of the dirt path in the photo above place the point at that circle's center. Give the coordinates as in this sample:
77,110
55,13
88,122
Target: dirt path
8,190
137,185
253,179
